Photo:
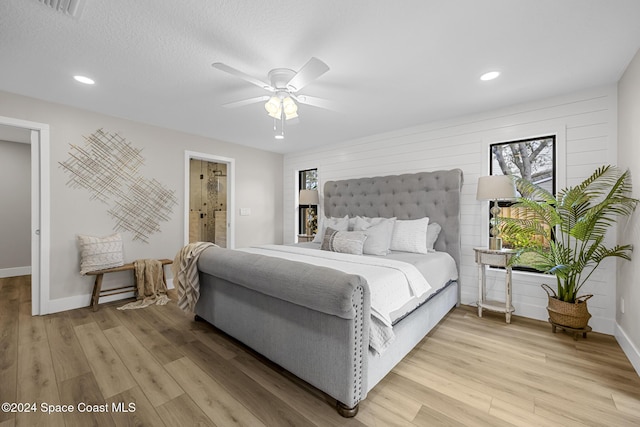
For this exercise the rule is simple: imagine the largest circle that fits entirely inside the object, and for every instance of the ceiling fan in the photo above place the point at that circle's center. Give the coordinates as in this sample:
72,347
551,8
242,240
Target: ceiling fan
283,84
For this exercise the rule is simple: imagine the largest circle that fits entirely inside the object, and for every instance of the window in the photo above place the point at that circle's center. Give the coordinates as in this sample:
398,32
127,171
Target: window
308,214
533,159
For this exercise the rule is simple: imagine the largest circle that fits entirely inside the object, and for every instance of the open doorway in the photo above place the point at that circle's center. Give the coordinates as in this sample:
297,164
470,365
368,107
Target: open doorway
15,215
209,199
208,202
38,138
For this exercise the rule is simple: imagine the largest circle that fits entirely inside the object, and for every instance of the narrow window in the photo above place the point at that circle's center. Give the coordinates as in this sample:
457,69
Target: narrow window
308,214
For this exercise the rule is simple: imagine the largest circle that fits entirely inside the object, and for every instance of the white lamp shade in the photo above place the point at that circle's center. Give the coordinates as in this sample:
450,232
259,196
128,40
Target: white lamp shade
309,197
289,106
496,187
274,107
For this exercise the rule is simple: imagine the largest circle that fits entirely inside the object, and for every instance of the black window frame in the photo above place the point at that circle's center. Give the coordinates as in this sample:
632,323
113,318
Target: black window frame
305,184
554,174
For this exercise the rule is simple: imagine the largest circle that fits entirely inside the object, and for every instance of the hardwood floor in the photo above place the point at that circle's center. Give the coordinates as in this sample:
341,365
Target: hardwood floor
177,372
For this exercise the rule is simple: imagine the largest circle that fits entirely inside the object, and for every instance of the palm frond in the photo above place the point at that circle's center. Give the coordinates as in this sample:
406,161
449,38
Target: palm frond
573,225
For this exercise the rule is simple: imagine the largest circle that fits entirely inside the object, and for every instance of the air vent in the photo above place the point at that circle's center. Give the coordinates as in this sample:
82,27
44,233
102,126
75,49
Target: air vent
71,8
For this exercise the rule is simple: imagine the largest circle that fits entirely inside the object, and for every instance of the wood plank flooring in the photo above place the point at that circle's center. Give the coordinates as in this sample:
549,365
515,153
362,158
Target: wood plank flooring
165,369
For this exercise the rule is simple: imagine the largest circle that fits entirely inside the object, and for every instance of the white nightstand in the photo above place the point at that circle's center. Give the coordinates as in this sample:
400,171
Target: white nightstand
496,258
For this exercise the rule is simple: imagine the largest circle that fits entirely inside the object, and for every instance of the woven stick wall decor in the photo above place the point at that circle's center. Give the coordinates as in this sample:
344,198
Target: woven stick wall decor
107,166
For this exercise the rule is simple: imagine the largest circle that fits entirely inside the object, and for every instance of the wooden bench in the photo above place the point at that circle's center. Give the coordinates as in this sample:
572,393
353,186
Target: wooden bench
97,286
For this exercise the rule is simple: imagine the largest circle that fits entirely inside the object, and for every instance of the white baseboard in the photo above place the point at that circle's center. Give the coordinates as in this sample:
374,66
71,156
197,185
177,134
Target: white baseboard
15,271
598,324
631,351
79,301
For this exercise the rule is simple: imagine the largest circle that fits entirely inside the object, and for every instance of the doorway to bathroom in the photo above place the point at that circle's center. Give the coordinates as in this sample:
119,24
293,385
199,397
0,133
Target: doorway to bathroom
210,195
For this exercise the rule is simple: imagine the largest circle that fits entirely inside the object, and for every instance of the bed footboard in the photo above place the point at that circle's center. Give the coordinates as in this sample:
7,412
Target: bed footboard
319,332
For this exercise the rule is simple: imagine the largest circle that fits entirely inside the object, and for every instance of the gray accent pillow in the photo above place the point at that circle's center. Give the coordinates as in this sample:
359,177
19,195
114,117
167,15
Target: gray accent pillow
433,231
378,233
346,242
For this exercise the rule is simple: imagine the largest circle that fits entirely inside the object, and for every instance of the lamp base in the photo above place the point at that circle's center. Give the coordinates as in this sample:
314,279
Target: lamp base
495,243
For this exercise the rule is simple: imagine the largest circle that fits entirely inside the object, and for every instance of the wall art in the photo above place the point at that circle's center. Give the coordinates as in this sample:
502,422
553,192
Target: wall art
107,166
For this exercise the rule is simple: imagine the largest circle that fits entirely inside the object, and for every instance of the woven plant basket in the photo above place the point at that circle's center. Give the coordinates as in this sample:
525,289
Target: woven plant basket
571,314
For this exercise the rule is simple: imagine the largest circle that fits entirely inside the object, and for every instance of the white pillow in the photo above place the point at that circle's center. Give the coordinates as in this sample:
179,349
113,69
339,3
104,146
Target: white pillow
433,231
352,223
376,220
98,253
378,235
340,224
410,235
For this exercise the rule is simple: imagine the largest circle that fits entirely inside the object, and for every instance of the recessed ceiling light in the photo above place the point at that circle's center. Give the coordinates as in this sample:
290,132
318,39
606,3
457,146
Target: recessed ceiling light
83,79
490,75
279,136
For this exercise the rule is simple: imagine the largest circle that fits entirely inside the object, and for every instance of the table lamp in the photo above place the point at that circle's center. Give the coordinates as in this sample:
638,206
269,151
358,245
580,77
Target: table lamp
309,198
495,187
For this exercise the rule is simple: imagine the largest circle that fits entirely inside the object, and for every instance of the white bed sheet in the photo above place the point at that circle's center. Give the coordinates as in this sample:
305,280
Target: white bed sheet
438,268
394,294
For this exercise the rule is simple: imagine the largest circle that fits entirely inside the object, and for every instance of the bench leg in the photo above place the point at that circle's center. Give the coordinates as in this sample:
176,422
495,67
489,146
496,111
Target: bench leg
164,276
95,296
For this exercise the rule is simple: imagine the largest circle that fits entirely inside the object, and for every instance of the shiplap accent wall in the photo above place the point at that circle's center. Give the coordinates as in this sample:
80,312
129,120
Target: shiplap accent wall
585,124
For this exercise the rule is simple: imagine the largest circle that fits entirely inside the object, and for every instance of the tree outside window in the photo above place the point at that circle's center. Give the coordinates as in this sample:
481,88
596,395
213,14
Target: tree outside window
533,159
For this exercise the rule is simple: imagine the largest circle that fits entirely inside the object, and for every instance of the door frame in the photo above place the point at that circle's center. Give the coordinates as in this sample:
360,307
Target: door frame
40,211
230,162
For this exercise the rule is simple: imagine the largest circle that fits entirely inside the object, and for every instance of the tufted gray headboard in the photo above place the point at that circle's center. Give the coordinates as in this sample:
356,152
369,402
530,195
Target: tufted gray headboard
409,196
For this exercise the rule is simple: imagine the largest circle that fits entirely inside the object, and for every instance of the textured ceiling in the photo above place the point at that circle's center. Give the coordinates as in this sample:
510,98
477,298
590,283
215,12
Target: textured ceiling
393,64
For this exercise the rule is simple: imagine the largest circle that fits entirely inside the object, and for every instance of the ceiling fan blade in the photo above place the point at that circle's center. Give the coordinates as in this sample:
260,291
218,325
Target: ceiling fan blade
244,102
243,76
315,101
313,69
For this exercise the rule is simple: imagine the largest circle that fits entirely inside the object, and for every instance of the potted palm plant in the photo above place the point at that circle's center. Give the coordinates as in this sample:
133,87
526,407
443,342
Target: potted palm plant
569,232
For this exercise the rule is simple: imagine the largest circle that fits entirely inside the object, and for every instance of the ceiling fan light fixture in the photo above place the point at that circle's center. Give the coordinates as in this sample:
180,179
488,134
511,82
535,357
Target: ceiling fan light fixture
290,108
277,114
273,106
292,115
283,84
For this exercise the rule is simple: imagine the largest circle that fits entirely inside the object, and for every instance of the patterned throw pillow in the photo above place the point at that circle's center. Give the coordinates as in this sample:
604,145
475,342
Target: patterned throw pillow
98,253
347,242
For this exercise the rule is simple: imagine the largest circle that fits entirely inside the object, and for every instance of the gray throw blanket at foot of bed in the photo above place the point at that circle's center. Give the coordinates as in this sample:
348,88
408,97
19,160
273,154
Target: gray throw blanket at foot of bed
186,275
150,285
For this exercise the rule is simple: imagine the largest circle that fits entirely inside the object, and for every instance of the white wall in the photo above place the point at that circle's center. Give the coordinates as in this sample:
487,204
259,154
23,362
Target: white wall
258,186
628,288
15,206
586,120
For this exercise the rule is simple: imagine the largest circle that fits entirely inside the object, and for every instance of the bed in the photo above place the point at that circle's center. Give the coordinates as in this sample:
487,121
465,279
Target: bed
316,321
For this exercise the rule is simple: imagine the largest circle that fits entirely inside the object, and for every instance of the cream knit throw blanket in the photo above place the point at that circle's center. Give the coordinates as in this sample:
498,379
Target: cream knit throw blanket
150,284
186,276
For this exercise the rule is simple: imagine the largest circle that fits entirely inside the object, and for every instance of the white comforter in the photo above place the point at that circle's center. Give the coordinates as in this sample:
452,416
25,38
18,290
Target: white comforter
392,283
